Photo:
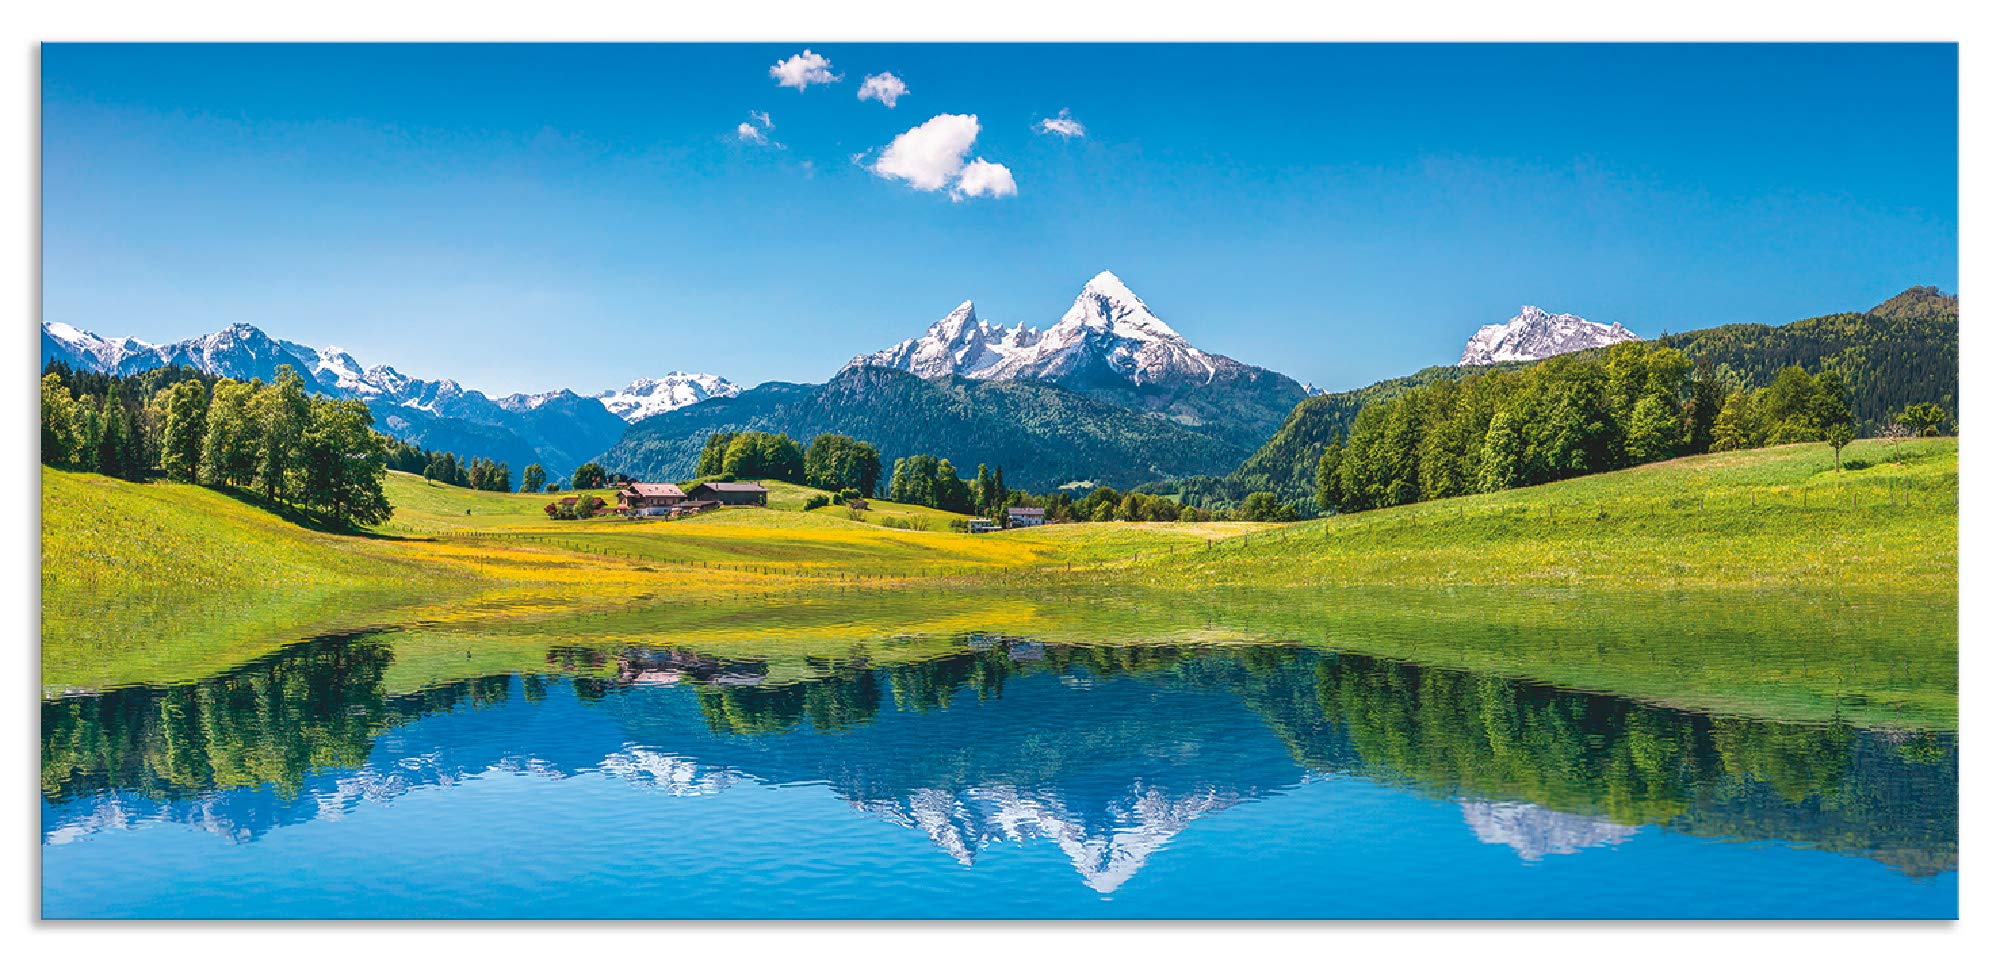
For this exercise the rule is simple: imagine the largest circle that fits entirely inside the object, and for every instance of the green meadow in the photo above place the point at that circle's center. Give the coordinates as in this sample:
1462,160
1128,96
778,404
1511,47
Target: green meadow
1772,518
1764,582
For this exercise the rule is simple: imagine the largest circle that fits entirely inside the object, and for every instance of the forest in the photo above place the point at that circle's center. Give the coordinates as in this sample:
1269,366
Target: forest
317,455
1566,417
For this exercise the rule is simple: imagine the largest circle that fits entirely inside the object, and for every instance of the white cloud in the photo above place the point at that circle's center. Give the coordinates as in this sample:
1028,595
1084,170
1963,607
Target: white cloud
982,179
931,156
1061,125
886,87
931,153
757,129
803,70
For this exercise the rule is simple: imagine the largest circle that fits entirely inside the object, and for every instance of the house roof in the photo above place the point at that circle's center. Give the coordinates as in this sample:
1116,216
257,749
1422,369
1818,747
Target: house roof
738,487
1026,511
656,490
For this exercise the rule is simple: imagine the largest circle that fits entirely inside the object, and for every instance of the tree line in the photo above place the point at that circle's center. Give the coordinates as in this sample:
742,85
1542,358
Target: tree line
318,455
832,462
848,469
445,467
934,482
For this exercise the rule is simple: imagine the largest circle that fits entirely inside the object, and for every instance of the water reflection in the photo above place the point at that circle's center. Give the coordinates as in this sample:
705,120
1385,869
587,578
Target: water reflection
1108,752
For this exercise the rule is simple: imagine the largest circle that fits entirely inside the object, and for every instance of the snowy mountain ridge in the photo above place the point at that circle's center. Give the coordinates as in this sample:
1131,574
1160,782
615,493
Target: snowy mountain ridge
647,396
242,351
1536,334
1108,332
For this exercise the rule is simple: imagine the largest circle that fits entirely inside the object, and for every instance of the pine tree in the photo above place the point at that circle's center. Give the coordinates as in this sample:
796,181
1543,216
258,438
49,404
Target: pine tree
114,439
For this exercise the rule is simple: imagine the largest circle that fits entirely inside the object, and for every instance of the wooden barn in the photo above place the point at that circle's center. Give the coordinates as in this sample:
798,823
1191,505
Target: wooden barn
732,493
636,498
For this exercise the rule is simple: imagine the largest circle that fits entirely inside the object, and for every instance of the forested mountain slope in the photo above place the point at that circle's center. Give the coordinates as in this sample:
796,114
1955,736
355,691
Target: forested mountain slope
1903,351
1043,435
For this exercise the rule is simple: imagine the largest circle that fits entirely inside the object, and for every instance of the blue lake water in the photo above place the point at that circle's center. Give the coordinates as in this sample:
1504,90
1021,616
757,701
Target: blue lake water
1006,777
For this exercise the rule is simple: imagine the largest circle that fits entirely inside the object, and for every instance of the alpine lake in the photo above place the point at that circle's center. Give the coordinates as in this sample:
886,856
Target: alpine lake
1340,754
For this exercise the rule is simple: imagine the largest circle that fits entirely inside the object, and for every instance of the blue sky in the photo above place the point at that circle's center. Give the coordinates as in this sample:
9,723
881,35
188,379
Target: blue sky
528,217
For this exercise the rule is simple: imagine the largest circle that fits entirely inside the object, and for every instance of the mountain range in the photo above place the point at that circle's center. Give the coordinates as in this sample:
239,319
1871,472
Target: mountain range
1108,394
558,429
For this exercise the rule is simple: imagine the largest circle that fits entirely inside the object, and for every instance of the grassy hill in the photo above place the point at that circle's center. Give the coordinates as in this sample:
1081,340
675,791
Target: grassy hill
1766,518
139,576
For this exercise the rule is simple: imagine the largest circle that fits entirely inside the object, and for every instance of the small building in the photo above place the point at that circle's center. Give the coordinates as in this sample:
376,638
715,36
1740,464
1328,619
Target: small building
731,493
981,525
649,500
1026,516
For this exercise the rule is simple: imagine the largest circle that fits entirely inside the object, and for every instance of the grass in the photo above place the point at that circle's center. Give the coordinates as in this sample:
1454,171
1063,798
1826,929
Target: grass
173,573
428,507
1751,519
1759,581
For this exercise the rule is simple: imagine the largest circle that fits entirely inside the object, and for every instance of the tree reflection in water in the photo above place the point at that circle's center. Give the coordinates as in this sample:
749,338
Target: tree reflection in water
1108,750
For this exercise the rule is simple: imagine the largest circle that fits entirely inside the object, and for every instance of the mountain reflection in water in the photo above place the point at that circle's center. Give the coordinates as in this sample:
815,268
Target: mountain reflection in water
1106,752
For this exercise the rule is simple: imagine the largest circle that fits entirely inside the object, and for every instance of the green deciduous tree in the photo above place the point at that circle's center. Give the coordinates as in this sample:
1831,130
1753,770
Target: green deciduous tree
951,491
1651,431
1923,418
835,462
229,444
1326,479
766,456
341,464
1260,506
62,427
282,411
184,427
587,477
709,463
1839,436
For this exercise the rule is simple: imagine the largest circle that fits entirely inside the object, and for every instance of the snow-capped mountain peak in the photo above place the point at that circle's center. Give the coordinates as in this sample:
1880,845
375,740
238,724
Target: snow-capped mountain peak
1106,304
648,396
81,348
521,402
959,344
1534,334
1108,335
